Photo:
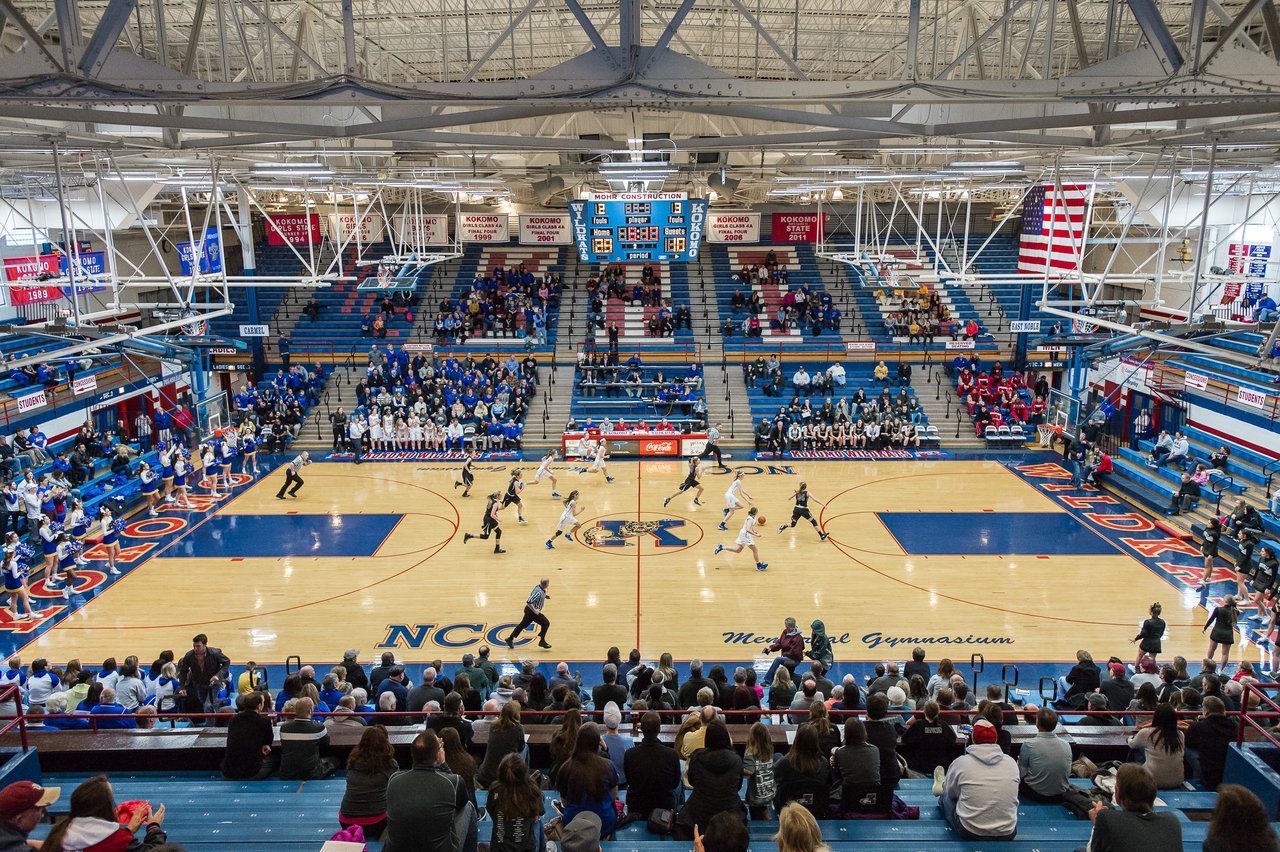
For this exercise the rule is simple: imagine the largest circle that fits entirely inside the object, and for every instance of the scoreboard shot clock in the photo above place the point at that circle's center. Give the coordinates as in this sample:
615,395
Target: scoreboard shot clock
638,227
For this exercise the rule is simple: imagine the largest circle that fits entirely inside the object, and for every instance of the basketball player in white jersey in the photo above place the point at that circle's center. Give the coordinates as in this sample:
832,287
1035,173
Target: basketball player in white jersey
569,522
734,499
599,466
746,538
544,472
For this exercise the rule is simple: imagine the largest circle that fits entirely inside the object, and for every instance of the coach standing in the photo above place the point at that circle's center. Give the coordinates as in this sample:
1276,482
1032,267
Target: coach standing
291,475
533,614
355,433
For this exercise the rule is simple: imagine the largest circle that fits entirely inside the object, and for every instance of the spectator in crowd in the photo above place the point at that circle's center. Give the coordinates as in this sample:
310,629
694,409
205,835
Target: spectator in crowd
428,806
928,742
616,745
93,823
1118,688
978,794
1135,824
1162,745
802,776
1187,495
515,807
1264,310
882,732
652,769
23,805
249,737
506,736
855,766
1044,761
798,831
1240,823
451,717
1208,739
790,647
715,774
588,782
370,767
302,741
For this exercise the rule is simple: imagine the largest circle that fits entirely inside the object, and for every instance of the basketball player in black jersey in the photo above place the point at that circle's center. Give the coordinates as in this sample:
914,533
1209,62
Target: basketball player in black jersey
492,524
690,481
512,497
801,510
467,476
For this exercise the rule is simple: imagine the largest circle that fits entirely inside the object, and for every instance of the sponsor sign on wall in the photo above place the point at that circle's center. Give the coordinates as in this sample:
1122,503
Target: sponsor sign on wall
733,227
546,229
428,229
796,228
297,229
365,228
483,228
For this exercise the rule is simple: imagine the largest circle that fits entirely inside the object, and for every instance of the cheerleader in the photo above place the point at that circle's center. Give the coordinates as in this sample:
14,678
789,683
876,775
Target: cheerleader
733,500
66,554
110,541
149,486
746,538
491,525
15,580
598,465
415,432
166,471
1209,549
249,452
48,547
468,478
78,523
512,497
210,472
801,498
181,470
544,472
226,457
569,522
690,481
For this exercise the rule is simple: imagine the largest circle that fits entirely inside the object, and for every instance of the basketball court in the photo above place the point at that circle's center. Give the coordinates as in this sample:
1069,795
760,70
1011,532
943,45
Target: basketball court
999,557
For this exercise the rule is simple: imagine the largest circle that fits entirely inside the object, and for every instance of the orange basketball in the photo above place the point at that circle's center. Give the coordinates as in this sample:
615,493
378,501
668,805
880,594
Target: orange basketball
760,519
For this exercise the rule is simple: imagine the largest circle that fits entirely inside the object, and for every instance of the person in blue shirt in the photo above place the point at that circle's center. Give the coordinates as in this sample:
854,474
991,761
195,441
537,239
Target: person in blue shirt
107,706
1264,310
57,717
394,683
513,434
634,362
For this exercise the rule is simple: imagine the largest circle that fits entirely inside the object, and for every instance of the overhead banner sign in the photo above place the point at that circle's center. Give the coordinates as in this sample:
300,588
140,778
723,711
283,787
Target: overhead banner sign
1024,326
206,254
796,227
545,229
50,266
1248,259
428,229
733,227
366,228
293,229
483,228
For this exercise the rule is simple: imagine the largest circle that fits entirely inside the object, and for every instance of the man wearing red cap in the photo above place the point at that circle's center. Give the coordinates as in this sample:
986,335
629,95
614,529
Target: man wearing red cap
978,794
22,806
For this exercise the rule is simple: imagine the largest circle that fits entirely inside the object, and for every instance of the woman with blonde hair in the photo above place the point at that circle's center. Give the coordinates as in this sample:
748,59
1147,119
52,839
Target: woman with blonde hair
782,690
798,831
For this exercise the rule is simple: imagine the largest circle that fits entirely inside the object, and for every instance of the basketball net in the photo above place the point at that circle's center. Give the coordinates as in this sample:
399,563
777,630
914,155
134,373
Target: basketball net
1046,433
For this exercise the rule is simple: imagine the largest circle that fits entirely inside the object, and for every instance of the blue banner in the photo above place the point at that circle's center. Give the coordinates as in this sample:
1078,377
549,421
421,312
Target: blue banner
208,250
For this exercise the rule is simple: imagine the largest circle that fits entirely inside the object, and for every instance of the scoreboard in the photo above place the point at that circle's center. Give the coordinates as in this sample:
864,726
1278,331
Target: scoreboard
627,227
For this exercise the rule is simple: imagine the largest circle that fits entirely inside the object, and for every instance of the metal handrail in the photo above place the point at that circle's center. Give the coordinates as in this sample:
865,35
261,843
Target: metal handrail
1219,485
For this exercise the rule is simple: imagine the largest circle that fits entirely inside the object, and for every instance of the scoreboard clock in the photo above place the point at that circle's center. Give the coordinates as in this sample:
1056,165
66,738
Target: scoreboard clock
631,227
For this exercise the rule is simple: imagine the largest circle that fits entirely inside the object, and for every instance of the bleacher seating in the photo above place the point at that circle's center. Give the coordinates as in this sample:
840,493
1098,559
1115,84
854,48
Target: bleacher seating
632,318
21,345
802,271
598,402
482,260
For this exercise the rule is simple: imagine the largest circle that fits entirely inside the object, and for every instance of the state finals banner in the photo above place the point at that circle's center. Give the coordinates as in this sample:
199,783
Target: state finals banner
545,229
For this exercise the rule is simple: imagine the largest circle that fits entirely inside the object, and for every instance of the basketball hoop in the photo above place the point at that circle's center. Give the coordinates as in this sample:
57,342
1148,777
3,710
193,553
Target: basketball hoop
1046,434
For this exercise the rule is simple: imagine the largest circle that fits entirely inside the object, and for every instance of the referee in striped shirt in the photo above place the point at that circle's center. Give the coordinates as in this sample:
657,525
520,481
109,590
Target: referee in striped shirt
533,614
713,445
291,475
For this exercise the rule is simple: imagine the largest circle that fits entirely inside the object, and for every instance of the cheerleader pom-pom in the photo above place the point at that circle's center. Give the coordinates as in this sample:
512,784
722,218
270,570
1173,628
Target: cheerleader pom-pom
118,525
75,547
25,552
57,527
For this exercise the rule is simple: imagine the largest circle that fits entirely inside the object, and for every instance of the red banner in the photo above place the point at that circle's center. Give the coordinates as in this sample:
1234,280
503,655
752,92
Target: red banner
27,268
796,227
293,229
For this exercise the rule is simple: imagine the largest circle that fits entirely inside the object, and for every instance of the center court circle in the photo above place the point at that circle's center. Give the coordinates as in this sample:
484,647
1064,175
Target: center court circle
643,533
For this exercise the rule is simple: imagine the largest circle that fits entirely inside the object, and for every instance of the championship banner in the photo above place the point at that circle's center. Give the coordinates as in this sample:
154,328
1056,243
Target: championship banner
733,227
204,255
293,229
428,229
366,228
18,268
545,229
483,228
796,227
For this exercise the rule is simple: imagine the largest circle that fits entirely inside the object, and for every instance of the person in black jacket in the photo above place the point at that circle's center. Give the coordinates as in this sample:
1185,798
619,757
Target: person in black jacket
688,696
883,734
355,672
1119,690
199,673
1207,740
380,672
610,690
715,773
249,756
917,666
1083,678
653,771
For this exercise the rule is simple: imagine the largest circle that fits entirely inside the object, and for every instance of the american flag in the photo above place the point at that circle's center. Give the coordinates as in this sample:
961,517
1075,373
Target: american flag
1053,228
